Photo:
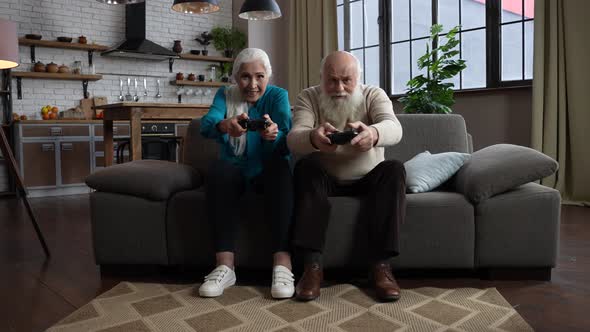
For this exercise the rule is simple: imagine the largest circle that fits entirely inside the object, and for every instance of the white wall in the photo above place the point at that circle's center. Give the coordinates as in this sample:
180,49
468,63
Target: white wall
104,24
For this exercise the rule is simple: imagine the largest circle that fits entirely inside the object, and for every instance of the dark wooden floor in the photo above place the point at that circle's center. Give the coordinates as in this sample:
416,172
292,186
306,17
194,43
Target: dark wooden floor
34,294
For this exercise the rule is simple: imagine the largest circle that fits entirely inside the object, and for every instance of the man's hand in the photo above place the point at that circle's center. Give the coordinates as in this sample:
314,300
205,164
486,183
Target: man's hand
320,141
366,138
232,127
271,132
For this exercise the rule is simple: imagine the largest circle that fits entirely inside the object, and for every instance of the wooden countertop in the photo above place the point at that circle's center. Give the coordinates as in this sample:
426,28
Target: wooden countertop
95,121
150,105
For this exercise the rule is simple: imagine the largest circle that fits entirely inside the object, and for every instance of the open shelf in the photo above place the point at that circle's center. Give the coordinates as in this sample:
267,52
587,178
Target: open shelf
188,56
57,44
197,83
55,76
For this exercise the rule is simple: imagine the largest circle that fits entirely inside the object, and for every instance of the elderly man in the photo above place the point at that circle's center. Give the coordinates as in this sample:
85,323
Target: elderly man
356,168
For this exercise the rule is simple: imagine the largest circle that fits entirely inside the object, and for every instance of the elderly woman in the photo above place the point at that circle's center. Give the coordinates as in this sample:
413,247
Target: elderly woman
254,158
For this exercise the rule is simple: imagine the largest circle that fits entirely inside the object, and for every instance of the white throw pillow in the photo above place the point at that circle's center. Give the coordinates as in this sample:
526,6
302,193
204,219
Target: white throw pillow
427,171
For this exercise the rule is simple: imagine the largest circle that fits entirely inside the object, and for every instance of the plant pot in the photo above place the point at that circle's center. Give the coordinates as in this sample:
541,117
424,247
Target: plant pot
204,52
228,53
177,48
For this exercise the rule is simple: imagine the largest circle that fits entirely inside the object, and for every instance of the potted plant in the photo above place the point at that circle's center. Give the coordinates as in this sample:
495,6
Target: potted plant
229,40
204,40
225,71
430,94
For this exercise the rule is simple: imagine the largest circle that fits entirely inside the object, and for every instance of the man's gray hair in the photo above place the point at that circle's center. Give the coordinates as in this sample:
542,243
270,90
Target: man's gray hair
358,64
249,55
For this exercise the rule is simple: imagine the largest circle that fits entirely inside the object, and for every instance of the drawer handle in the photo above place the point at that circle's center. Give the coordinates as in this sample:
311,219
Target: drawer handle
47,147
67,147
115,129
55,131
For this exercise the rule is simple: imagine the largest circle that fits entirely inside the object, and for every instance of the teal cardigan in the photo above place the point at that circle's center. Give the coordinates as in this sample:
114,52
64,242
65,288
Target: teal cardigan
275,103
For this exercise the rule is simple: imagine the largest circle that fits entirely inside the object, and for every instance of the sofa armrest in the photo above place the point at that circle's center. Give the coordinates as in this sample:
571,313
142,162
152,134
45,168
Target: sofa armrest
501,167
151,179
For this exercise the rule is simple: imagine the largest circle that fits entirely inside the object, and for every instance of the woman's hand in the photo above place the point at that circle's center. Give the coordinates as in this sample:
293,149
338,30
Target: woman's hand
271,132
232,127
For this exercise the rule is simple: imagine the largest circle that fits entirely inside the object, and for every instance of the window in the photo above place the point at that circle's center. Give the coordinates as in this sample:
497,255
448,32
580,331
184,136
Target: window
496,39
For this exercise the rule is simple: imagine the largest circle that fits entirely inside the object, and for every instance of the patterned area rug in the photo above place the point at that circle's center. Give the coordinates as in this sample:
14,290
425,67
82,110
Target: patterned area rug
143,307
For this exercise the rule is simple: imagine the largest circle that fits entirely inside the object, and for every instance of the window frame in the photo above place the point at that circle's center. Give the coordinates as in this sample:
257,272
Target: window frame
493,26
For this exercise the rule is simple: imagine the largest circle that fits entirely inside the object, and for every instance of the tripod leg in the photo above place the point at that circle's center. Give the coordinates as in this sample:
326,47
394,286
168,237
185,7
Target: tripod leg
12,166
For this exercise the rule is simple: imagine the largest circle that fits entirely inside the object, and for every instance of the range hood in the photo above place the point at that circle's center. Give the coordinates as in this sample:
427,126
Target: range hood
136,45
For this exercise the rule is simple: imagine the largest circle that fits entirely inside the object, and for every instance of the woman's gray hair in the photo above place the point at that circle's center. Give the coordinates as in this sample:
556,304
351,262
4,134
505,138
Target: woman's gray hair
249,55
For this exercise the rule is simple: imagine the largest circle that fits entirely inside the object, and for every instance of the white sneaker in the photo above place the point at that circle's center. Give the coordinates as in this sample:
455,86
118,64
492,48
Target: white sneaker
219,279
282,283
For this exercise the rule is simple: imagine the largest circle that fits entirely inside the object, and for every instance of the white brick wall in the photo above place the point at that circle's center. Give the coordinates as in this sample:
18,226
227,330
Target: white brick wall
104,24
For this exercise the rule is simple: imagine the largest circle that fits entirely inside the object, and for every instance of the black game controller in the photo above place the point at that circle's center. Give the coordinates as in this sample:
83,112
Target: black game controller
254,124
342,137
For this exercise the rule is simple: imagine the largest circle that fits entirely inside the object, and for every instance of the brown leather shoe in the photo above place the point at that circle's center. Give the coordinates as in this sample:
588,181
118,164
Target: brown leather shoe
308,287
386,288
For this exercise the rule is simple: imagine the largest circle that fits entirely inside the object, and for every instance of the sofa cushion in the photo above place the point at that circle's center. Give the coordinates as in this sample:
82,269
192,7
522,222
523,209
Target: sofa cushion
427,171
501,167
151,179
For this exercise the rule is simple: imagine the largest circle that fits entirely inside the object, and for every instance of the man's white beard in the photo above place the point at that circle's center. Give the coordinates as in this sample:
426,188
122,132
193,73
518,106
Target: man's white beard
339,111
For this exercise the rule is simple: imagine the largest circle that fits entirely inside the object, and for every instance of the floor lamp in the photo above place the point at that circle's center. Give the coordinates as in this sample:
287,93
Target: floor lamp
9,59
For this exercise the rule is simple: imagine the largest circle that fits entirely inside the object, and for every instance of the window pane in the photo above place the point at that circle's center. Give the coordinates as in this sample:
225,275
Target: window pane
400,69
356,24
448,14
359,55
371,25
339,2
512,52
418,49
421,18
372,66
340,14
529,8
511,10
529,28
400,13
473,48
473,14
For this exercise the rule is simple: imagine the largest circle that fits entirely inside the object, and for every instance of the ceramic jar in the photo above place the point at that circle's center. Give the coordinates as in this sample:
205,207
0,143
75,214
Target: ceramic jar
39,67
52,68
177,48
179,76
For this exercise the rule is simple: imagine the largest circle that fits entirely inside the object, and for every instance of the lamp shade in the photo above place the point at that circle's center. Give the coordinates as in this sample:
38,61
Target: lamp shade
260,10
196,6
120,2
8,45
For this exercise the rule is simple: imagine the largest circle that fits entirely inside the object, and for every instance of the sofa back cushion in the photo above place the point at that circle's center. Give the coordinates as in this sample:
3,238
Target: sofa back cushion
199,151
429,132
422,132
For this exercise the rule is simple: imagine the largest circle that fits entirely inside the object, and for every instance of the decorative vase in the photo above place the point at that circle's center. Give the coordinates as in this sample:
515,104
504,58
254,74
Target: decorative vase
177,48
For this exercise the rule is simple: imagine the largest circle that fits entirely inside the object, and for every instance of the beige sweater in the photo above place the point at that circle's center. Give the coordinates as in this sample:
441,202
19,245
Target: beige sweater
346,163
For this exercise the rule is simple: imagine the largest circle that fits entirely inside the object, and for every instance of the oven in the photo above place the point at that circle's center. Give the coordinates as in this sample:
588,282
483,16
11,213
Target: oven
158,142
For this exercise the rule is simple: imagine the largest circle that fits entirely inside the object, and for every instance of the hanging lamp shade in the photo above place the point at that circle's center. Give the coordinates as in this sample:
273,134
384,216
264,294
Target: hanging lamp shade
120,2
196,6
8,45
260,10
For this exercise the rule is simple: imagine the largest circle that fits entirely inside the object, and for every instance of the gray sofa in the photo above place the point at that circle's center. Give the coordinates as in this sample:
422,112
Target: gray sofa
153,212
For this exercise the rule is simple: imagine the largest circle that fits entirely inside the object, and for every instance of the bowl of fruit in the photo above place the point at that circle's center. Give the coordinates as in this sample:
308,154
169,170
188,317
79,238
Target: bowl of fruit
49,112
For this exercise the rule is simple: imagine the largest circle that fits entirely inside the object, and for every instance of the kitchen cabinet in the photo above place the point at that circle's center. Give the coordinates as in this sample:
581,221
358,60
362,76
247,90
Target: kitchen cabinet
38,164
74,162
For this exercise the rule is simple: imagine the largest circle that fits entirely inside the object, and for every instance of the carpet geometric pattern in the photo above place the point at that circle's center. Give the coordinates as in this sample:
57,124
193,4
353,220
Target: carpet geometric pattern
147,307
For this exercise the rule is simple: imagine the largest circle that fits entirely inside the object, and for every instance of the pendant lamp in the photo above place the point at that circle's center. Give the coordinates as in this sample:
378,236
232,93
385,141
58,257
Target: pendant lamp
196,6
260,10
8,45
120,2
